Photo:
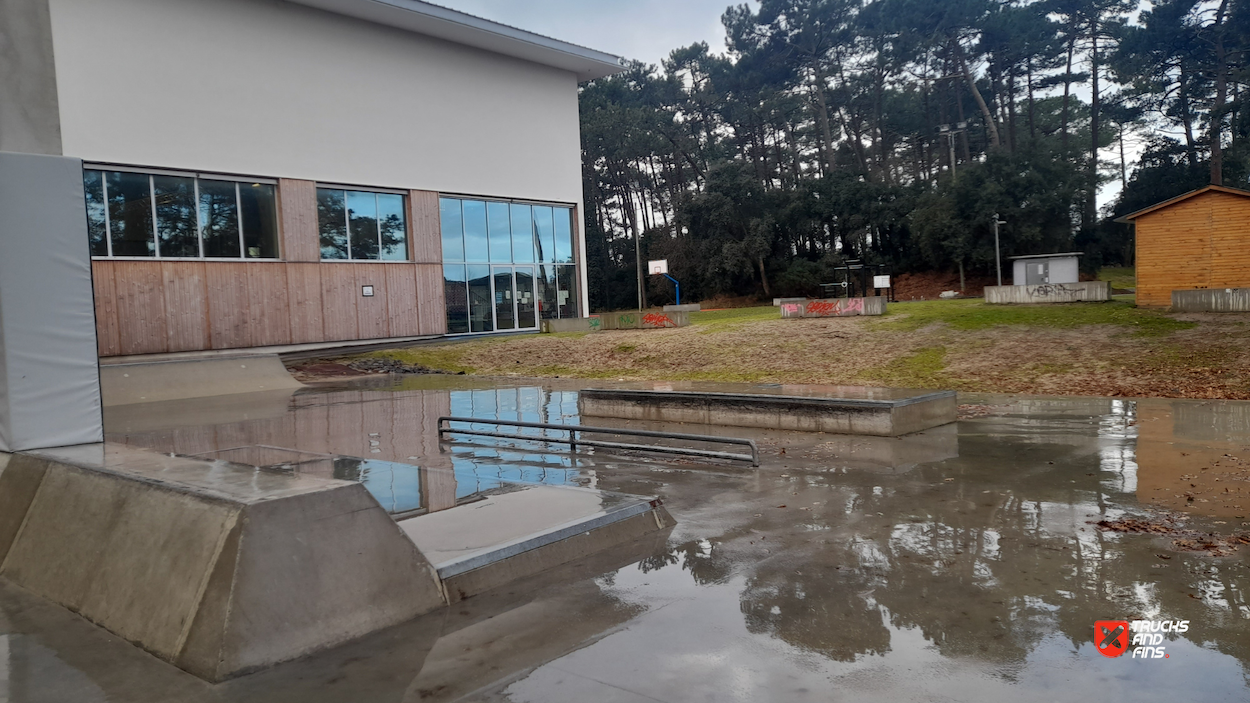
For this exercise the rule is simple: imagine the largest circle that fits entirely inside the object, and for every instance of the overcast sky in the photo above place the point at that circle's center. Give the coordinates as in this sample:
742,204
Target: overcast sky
646,30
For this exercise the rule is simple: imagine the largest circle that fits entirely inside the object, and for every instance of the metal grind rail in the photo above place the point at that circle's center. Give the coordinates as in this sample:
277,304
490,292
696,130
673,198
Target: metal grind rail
574,441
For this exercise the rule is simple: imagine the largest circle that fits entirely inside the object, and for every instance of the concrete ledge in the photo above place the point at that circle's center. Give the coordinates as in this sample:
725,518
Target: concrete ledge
832,307
643,320
1211,300
685,307
888,418
1085,291
572,324
215,567
149,381
582,543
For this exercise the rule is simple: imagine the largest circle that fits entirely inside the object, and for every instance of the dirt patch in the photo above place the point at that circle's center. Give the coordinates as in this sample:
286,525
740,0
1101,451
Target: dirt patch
931,284
352,367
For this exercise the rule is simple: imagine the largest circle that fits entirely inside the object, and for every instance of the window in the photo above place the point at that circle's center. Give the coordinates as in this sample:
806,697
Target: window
179,216
530,251
361,225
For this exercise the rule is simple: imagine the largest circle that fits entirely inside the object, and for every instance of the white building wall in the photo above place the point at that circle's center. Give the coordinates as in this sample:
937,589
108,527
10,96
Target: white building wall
268,88
1018,273
1064,270
274,89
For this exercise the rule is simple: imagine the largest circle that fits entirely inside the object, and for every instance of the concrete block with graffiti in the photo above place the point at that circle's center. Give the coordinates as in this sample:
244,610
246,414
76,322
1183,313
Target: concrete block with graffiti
834,307
643,320
573,324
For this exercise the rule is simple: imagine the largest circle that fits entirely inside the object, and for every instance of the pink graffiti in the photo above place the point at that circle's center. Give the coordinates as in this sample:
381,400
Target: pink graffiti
656,320
835,308
789,308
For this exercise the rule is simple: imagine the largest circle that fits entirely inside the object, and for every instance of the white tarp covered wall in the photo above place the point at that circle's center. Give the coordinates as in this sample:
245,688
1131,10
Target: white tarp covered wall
49,374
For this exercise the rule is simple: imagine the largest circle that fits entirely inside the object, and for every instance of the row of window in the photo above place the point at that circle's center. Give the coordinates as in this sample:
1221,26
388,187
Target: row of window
500,232
172,216
489,298
362,225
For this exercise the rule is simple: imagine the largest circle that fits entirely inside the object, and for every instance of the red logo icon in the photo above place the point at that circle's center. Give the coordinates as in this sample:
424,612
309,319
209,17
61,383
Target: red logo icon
1111,637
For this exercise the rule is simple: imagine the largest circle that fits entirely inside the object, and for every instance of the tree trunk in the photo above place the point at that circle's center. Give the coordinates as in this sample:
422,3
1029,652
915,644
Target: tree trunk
822,117
764,277
1067,91
1221,96
1091,193
1191,148
976,95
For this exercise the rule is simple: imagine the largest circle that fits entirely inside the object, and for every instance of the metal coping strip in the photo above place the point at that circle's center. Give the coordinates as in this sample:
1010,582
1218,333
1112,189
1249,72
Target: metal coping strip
770,398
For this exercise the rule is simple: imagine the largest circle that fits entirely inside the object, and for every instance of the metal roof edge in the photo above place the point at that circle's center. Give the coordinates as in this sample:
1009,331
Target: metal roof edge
458,27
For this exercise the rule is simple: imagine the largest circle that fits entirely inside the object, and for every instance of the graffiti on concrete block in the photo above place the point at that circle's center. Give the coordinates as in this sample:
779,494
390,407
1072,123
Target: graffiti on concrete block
652,319
791,310
595,323
835,308
626,320
1048,290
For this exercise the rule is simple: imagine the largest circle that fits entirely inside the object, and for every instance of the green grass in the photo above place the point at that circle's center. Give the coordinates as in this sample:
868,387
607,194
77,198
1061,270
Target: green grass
922,368
719,320
1124,277
443,358
977,315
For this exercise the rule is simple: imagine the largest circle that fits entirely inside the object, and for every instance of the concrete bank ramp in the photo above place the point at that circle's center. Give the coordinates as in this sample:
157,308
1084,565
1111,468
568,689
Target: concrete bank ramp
138,380
218,568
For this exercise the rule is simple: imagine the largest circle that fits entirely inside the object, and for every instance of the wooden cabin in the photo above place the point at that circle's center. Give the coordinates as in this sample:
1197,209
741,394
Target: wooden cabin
1197,240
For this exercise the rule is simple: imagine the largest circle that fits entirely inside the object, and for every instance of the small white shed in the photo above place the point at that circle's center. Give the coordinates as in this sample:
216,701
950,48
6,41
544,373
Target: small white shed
1037,269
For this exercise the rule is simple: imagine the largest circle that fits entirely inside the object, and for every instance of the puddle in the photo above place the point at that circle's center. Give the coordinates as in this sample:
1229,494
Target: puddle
961,563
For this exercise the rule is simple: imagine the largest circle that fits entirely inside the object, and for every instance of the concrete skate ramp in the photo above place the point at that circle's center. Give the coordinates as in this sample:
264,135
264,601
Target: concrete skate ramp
216,567
870,411
147,381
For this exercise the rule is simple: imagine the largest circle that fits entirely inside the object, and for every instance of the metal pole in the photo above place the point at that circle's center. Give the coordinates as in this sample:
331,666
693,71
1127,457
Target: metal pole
676,285
638,261
998,264
950,139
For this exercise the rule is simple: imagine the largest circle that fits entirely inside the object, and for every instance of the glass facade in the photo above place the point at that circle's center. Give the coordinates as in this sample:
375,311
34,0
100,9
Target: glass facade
506,265
361,225
132,214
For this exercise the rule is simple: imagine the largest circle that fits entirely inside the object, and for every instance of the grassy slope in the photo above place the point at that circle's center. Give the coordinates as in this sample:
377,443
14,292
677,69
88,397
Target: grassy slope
1083,348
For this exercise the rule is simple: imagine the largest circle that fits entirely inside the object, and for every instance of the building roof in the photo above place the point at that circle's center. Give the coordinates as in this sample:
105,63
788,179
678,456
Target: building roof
1183,196
461,28
1047,256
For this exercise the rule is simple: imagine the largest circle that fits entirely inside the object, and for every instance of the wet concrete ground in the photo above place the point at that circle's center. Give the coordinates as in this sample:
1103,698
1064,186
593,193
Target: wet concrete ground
955,564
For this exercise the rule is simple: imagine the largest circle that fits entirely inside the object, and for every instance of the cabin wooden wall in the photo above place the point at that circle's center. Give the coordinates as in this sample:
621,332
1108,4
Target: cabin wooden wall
154,306
1202,242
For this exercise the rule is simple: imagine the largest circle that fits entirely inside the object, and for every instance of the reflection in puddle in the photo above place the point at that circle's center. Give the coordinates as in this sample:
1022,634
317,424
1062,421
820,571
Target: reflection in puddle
955,564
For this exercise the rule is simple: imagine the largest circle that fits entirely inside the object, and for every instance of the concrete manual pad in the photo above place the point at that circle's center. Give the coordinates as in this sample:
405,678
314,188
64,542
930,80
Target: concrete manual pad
886,412
523,529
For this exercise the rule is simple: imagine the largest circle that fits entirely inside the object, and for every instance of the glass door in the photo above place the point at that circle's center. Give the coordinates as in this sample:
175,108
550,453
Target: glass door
526,302
505,299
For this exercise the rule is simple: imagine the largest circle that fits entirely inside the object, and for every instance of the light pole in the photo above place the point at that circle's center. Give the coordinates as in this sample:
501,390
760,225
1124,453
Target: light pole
998,264
960,128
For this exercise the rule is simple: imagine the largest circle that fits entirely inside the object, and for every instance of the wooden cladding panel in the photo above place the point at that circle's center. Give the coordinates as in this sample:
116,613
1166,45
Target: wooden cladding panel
268,306
186,305
427,237
431,310
140,307
297,203
303,283
371,315
228,305
108,337
338,301
401,301
1203,242
145,307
